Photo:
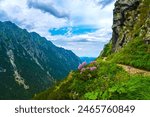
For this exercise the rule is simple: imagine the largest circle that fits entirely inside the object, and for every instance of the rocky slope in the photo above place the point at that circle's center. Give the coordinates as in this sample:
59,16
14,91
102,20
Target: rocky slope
29,63
131,19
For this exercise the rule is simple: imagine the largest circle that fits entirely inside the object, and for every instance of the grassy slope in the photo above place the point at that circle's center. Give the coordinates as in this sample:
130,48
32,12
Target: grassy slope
136,54
109,81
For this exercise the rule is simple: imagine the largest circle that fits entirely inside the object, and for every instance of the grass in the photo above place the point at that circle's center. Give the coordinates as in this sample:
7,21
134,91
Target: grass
112,82
136,54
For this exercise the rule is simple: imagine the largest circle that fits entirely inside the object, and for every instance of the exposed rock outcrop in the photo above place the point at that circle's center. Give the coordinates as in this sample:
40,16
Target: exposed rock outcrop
131,19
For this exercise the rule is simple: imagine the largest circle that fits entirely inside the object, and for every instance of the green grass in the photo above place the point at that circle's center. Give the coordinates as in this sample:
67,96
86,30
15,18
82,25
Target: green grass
111,82
137,87
107,50
136,54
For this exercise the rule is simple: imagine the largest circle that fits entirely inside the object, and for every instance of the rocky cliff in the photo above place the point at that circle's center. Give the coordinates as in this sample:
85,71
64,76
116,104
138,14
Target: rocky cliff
130,43
29,63
131,19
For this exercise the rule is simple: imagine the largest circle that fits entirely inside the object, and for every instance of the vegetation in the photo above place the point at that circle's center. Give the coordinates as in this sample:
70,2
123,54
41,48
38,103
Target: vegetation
107,50
108,81
136,53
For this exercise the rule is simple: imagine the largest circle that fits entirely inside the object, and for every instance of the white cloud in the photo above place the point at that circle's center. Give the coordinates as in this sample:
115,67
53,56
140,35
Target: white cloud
80,12
32,19
47,7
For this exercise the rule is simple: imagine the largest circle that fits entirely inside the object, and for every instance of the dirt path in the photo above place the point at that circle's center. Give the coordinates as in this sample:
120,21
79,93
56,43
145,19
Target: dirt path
133,70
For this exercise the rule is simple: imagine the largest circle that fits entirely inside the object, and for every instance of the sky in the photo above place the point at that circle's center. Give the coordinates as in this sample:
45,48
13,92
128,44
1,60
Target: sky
83,26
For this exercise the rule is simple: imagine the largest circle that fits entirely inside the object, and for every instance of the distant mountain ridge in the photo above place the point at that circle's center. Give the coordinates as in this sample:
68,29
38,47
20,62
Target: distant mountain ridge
87,59
29,63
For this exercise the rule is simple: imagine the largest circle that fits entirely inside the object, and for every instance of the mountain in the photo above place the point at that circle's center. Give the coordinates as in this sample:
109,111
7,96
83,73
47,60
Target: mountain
87,59
122,71
29,63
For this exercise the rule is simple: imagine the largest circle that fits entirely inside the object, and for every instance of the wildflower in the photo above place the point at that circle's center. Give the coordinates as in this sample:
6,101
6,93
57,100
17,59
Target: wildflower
83,69
93,62
82,65
93,68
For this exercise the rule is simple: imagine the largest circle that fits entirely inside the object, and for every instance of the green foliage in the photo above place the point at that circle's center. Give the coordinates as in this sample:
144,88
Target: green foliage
91,95
136,54
57,92
107,50
135,88
112,82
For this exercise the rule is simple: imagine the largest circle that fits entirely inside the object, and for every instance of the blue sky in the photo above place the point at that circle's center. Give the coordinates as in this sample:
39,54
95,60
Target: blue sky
76,30
83,26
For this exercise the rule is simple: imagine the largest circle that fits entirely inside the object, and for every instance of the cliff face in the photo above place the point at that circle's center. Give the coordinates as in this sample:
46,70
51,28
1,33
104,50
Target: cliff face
29,63
131,20
130,43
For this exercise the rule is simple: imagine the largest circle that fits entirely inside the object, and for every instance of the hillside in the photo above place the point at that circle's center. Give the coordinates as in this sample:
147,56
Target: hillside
111,76
29,63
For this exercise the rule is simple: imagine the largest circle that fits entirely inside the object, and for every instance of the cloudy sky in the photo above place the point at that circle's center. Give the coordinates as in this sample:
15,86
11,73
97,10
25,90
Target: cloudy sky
83,26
